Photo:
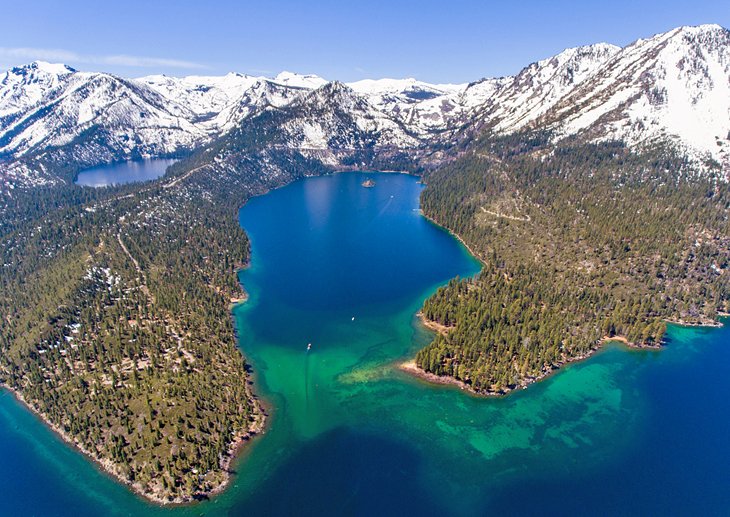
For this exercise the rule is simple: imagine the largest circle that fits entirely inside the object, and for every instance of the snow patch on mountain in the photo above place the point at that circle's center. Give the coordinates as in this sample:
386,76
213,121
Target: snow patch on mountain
206,96
299,81
671,88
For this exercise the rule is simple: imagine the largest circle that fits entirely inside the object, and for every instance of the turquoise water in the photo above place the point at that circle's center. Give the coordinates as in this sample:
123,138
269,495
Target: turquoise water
627,431
125,172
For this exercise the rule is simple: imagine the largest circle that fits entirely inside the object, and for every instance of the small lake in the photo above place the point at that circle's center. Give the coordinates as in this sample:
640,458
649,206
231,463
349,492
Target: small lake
346,268
125,172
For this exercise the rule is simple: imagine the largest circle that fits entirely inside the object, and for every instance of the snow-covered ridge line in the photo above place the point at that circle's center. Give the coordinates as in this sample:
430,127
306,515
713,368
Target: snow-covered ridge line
673,87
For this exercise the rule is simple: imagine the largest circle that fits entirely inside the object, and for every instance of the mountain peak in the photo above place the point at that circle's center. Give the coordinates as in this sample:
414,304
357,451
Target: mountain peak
596,51
685,32
299,80
49,68
701,29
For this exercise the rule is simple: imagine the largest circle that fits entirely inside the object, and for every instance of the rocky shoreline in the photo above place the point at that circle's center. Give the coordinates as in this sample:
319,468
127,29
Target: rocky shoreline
410,367
112,469
433,325
413,369
708,323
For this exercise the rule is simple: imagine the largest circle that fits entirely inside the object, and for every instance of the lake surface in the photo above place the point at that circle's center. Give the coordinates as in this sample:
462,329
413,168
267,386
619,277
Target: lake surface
125,172
638,432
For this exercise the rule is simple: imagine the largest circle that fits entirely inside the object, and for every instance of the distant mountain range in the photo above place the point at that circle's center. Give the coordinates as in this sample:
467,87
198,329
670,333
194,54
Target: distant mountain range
671,89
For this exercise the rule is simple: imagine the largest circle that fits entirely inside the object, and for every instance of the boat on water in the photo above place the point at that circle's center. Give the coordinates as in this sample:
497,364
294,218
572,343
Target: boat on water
309,347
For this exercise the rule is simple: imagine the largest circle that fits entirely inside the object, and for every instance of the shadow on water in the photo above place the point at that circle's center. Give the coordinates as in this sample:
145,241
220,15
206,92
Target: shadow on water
379,477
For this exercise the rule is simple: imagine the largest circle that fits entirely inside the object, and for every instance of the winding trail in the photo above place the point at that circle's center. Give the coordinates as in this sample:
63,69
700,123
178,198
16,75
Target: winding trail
140,272
184,176
124,248
505,216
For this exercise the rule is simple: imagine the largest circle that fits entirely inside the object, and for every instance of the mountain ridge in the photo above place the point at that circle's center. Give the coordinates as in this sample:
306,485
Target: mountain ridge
670,89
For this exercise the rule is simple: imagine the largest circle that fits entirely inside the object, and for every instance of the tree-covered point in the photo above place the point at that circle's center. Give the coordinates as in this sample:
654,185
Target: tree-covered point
117,329
579,243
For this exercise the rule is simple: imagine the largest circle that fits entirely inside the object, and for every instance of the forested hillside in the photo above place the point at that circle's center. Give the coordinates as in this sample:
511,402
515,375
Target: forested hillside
117,330
579,243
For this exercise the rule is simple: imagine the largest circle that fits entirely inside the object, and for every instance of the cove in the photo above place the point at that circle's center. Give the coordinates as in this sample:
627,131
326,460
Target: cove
124,172
627,431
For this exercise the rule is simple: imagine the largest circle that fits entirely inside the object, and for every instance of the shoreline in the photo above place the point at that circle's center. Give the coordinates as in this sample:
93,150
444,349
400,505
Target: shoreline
235,301
455,236
711,324
109,468
106,466
433,325
411,368
233,451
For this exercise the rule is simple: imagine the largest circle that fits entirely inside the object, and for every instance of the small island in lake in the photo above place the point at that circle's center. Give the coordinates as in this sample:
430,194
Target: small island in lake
368,183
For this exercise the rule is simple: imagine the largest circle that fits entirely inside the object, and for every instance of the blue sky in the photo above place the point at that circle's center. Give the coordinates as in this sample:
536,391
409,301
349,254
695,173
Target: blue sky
435,41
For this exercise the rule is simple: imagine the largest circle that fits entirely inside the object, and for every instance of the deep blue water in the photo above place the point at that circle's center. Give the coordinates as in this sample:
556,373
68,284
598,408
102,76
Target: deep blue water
625,432
125,172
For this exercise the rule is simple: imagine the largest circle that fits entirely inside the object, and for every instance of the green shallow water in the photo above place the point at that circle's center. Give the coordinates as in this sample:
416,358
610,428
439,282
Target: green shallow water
623,432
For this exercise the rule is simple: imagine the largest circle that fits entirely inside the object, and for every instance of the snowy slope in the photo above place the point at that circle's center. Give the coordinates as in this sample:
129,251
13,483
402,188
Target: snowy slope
23,87
262,94
671,88
322,127
521,100
423,107
206,96
222,102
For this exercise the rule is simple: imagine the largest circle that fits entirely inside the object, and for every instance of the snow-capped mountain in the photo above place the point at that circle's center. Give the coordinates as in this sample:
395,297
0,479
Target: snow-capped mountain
429,109
420,105
262,94
673,88
330,124
335,117
72,104
205,96
221,102
24,87
525,97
